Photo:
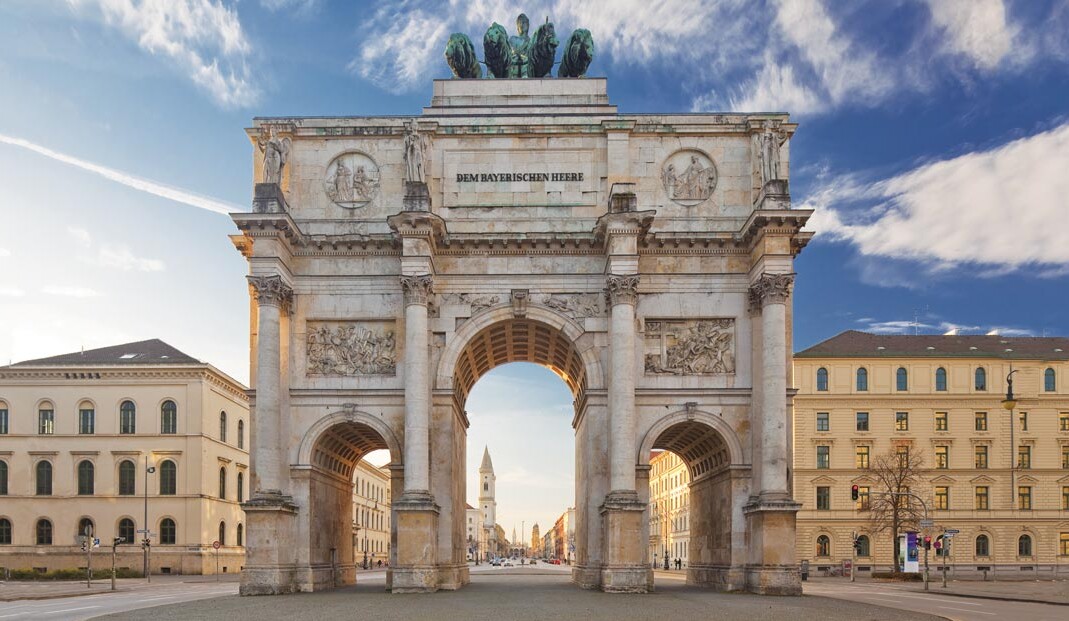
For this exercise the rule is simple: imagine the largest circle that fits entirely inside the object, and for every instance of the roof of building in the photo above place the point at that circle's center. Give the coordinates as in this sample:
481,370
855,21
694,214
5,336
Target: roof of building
857,344
487,464
469,506
152,351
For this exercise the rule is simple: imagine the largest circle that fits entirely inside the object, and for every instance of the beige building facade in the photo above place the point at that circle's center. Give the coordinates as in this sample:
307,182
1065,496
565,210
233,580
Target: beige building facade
1000,478
77,433
646,259
669,509
371,514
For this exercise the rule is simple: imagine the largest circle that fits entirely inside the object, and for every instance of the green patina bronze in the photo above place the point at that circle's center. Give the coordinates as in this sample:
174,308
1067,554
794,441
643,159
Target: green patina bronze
520,56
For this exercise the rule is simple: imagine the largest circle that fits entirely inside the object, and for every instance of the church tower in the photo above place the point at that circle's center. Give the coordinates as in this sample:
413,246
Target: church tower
487,480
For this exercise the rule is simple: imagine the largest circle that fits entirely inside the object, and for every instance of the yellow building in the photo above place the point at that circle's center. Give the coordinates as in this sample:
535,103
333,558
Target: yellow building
371,514
669,508
79,431
1002,482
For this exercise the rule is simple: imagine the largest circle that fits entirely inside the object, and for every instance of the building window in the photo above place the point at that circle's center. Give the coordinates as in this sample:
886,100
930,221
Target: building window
86,421
981,457
1024,497
85,478
240,535
169,418
1024,546
222,426
941,422
942,457
941,379
168,478
3,421
863,500
168,531
1065,456
222,533
127,478
862,421
1063,420
861,457
901,379
85,527
823,457
942,497
43,473
1024,457
1065,498
823,498
901,421
822,421
862,379
241,487
44,532
127,417
5,531
982,497
823,546
902,451
1024,421
1063,544
46,421
983,546
981,378
1049,380
3,478
222,483
822,379
981,421
241,434
126,530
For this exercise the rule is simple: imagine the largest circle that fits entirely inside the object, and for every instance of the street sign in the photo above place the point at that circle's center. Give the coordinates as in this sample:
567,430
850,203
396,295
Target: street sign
96,542
927,523
952,531
216,545
142,530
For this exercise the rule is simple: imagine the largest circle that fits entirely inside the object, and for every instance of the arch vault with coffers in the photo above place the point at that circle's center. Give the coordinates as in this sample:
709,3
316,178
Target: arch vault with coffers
646,260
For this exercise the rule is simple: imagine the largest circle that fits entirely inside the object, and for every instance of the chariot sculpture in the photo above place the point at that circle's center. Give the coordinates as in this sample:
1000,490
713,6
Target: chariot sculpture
521,56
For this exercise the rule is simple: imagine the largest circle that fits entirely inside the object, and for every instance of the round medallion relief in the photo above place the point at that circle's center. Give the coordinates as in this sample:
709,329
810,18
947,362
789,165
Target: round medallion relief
352,180
689,177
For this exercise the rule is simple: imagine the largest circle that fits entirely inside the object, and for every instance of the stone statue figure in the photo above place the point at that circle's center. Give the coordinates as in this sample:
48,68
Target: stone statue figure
415,143
768,145
276,152
518,48
522,55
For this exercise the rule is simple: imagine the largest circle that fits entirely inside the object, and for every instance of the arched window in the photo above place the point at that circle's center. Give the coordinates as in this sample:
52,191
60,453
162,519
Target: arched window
44,478
823,546
241,487
222,533
44,532
5,532
864,546
46,419
126,530
127,417
901,379
85,527
941,379
222,426
822,379
85,478
862,379
222,483
983,546
87,418
3,478
127,478
241,535
168,478
241,434
981,378
169,417
1024,546
168,531
1049,380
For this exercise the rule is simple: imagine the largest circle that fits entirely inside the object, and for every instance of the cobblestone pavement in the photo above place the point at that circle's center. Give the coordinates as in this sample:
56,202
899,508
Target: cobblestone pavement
517,593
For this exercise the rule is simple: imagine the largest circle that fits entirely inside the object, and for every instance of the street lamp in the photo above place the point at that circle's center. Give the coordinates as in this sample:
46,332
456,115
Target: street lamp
147,541
1009,403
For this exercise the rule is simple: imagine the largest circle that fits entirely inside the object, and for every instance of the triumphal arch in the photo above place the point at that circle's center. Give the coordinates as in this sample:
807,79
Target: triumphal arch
646,259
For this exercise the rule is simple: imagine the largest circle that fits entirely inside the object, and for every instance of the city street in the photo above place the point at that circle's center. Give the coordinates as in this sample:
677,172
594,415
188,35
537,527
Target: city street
133,595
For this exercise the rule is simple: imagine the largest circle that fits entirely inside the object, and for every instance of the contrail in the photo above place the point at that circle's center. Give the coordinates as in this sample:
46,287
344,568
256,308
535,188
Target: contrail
158,189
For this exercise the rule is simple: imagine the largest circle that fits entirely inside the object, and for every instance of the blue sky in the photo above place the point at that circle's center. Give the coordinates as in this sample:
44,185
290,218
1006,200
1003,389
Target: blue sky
933,142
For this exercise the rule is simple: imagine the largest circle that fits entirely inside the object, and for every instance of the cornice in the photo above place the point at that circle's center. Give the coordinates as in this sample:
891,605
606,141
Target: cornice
278,225
787,222
102,375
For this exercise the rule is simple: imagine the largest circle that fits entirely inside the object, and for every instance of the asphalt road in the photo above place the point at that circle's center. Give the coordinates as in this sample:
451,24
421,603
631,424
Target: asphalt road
89,606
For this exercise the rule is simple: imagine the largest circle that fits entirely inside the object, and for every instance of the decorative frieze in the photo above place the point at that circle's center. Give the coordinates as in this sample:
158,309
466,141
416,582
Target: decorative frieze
622,289
478,303
575,305
773,288
271,290
690,346
417,289
348,349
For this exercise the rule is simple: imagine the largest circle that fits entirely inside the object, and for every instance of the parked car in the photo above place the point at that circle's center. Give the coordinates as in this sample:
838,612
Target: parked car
507,563
532,561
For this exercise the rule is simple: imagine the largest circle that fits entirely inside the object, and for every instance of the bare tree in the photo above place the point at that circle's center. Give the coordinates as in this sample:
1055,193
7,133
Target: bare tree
897,472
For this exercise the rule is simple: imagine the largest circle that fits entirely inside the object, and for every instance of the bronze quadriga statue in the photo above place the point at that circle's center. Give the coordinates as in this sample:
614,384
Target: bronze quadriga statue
521,56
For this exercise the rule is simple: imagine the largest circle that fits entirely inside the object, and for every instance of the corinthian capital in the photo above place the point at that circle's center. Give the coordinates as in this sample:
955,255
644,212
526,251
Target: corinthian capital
417,289
772,289
622,289
271,290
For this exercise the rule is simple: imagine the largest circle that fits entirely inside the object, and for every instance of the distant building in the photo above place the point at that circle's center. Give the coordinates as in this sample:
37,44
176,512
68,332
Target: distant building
491,541
536,543
371,514
76,434
669,508
1001,479
564,536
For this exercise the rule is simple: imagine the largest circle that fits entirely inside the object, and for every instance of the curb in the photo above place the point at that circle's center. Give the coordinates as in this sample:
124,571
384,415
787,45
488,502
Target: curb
997,598
36,598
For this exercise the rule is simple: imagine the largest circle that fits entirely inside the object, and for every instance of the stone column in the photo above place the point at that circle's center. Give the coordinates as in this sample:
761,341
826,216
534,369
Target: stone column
268,455
623,292
417,390
774,291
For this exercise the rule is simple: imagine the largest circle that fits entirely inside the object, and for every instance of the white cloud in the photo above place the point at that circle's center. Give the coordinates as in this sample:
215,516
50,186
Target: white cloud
976,29
137,183
121,258
999,207
296,5
4,252
401,48
80,235
775,89
204,38
11,292
72,292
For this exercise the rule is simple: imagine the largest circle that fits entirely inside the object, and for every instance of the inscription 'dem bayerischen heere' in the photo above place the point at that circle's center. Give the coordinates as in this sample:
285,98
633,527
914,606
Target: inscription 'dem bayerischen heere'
512,177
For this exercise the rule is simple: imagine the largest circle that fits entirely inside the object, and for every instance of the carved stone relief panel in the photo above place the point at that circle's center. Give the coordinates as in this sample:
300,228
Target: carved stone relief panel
351,348
478,302
689,177
576,305
352,180
690,346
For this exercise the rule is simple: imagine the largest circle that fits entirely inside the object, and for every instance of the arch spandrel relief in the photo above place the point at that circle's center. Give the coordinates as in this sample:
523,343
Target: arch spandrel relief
351,180
690,346
348,349
689,177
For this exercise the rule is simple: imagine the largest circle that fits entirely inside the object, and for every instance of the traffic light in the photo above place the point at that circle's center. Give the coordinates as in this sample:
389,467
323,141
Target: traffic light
857,542
84,548
853,493
927,542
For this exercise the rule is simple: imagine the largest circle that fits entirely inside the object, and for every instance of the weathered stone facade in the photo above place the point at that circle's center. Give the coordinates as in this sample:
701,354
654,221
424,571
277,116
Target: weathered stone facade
546,227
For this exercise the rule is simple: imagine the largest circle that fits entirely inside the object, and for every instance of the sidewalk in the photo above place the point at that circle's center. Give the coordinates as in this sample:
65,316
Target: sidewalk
14,590
1047,592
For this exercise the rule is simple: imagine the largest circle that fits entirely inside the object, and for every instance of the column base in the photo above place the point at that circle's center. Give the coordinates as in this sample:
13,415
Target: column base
323,577
717,577
416,570
626,569
271,521
772,569
453,577
586,577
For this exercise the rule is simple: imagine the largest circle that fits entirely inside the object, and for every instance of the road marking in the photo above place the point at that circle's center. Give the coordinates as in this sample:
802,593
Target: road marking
978,612
56,612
